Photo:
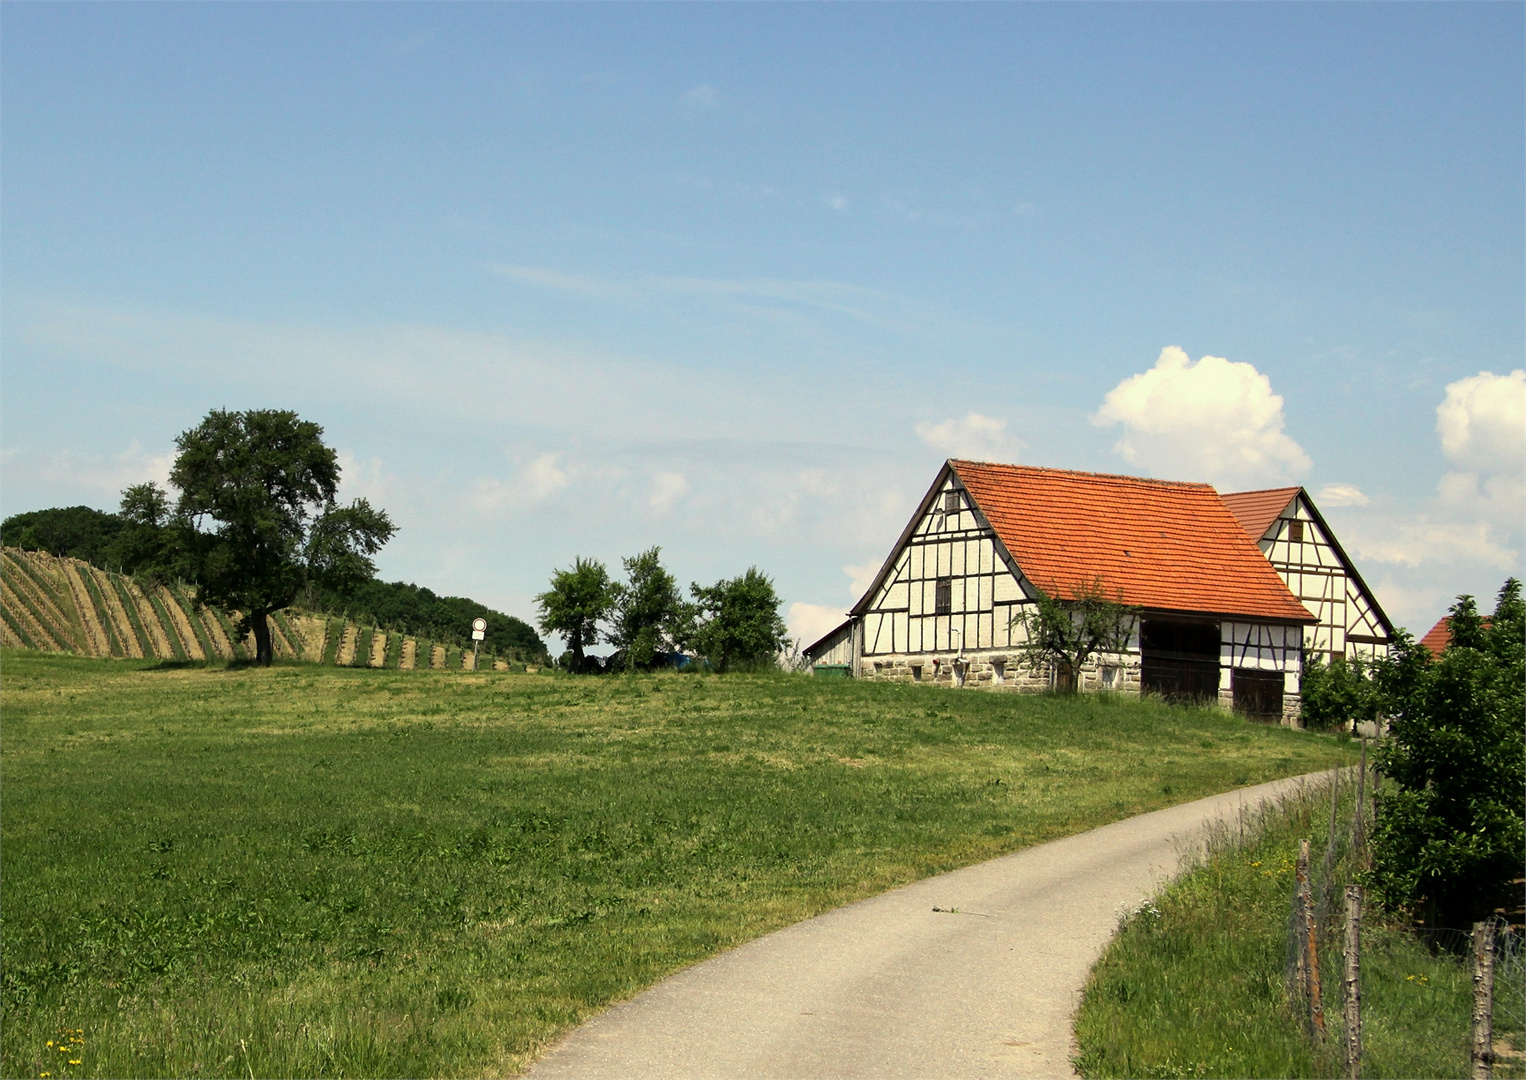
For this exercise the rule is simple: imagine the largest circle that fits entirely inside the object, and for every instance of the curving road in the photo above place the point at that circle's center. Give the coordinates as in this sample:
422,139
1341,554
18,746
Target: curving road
974,973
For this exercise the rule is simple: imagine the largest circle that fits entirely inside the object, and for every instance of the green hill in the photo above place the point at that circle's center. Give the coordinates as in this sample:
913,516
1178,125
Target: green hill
61,604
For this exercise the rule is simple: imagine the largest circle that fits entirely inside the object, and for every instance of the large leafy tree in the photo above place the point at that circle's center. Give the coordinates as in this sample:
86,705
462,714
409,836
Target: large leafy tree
259,518
1449,834
1061,635
649,611
577,602
738,621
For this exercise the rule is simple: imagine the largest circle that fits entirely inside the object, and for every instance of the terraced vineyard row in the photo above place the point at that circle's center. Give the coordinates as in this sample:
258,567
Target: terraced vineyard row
57,604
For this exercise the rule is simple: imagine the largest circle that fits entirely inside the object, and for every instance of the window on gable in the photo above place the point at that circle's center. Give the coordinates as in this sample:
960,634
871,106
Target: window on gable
951,502
1295,532
943,596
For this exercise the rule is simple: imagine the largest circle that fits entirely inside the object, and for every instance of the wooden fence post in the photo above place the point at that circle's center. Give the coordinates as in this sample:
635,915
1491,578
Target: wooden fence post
1310,948
1358,826
1353,1014
1483,1000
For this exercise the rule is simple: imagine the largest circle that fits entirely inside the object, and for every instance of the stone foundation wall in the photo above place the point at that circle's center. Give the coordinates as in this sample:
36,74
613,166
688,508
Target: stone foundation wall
999,670
1118,673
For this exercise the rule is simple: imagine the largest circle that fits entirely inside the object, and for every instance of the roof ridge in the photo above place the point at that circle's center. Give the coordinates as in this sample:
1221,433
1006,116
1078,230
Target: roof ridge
1265,491
1082,473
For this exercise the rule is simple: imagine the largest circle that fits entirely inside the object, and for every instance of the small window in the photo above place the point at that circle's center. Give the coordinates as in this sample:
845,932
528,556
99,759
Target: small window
951,502
943,596
916,672
998,671
1110,679
1295,532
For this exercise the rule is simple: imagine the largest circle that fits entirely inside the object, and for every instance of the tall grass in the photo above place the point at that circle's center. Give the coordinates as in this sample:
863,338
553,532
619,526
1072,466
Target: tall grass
318,871
1195,984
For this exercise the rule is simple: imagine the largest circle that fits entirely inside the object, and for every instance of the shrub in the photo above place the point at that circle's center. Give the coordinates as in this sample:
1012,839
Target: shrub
1338,693
1449,833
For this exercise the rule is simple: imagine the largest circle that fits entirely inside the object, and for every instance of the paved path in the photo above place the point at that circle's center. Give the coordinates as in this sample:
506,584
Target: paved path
974,973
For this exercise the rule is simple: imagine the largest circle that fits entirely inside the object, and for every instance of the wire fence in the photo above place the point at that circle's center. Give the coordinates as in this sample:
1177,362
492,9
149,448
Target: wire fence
1313,921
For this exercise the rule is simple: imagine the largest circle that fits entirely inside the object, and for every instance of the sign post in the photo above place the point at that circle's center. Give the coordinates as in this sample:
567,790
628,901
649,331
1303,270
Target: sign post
479,631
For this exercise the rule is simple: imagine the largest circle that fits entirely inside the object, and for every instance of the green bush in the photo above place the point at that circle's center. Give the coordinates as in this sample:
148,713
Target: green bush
1338,693
1449,835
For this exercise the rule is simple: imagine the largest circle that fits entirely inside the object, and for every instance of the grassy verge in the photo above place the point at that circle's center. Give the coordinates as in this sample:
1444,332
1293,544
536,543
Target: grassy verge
321,871
1194,984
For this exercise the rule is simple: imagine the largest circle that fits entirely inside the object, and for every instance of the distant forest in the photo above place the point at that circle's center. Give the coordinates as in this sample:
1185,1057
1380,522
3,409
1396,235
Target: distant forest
108,541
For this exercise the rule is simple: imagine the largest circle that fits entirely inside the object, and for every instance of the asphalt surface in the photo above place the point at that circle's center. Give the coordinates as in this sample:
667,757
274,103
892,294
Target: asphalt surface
974,973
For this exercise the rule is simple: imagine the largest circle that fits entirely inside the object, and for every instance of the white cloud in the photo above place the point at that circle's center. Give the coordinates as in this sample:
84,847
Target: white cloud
1416,540
836,202
808,623
1341,495
1213,420
701,97
983,438
667,489
535,483
97,478
861,578
1482,422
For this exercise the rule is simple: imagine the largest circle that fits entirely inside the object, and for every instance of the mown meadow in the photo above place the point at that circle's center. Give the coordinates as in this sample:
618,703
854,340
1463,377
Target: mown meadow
318,871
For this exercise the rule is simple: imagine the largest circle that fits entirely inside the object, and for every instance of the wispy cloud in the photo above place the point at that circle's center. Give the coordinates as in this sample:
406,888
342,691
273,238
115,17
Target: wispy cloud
701,98
980,437
667,489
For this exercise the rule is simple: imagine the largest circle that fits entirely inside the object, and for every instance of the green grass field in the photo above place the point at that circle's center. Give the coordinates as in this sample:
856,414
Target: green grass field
1194,985
309,871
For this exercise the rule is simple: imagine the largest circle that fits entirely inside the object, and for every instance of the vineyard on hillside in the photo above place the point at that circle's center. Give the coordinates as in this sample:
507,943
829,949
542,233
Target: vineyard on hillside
58,604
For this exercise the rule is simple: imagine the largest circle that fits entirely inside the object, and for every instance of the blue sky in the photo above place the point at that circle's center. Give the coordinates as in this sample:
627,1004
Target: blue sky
571,280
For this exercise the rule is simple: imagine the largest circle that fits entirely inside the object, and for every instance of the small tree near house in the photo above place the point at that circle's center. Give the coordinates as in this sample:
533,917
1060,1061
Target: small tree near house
1063,635
738,622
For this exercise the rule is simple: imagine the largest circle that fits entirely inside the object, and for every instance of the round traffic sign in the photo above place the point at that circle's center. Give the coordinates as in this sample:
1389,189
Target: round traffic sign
479,624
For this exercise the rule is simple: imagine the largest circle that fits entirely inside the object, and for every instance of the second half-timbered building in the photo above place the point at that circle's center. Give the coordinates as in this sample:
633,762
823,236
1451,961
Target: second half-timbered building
1217,622
1295,538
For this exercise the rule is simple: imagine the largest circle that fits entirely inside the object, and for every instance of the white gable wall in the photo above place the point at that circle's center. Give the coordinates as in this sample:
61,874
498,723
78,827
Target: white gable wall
1315,573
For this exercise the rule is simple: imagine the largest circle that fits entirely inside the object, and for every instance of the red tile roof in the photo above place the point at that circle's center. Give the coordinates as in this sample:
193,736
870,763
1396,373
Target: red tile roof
1438,637
1256,510
1167,546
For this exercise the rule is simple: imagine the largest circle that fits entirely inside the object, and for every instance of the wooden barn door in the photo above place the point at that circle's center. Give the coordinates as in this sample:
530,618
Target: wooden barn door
1180,659
1258,693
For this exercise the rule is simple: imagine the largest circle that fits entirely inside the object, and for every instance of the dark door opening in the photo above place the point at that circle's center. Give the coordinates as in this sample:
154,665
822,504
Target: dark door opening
1180,660
1258,693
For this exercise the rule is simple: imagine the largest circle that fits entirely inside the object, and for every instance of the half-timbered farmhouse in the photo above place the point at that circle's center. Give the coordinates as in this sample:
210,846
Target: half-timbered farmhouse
1217,620
1291,532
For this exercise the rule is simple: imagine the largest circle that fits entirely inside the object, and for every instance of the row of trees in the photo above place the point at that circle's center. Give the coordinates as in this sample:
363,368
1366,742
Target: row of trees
734,622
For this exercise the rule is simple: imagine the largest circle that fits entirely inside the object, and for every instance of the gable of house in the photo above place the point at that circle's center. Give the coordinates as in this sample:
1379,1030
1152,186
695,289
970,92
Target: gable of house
1298,542
948,585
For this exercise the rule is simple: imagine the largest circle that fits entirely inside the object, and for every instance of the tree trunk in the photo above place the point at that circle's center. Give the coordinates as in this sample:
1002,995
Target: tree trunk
575,643
263,653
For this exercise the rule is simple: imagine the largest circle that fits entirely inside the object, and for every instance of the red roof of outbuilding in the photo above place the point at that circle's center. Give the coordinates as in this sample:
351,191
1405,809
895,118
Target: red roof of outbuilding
1438,637
1256,510
1165,545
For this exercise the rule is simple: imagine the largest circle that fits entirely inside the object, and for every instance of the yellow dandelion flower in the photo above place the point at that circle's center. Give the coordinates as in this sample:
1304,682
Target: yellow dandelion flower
50,1041
74,1061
